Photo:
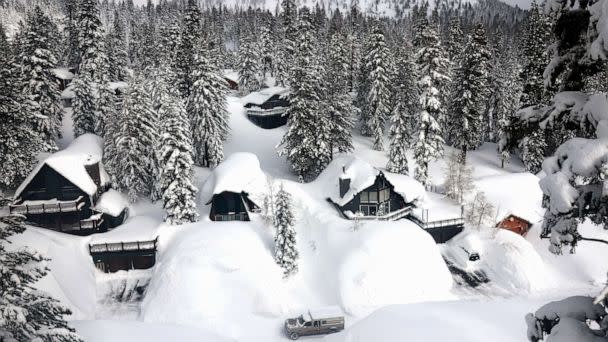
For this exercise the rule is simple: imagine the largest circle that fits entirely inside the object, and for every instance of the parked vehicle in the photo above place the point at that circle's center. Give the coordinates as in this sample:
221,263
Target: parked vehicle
315,322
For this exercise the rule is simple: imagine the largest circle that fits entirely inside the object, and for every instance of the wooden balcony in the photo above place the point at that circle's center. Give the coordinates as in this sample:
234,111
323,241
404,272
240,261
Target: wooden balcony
231,217
256,111
92,224
392,216
119,247
438,223
47,207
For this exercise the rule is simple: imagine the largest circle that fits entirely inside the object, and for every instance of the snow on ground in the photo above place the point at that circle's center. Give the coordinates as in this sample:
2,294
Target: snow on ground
217,281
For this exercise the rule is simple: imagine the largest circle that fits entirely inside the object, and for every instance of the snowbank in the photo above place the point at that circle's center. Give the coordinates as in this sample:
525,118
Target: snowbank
239,172
217,276
518,194
437,208
392,263
85,150
112,202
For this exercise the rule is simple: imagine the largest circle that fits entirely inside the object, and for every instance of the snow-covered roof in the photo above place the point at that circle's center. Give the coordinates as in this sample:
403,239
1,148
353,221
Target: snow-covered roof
362,175
112,203
68,92
259,97
240,172
230,74
62,73
517,194
118,85
85,150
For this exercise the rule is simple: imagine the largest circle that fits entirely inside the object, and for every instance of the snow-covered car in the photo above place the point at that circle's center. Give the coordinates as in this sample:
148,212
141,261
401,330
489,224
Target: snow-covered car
315,322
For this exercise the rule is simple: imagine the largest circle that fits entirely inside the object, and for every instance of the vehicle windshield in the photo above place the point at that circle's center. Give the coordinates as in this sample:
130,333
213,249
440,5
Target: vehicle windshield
300,320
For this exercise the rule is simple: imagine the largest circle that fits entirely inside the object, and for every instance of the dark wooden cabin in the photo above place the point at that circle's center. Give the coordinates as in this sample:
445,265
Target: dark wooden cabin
49,199
124,256
231,206
379,200
515,224
271,112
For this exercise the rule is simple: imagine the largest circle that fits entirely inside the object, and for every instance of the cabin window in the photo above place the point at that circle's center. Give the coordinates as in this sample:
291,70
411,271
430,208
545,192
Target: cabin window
384,195
364,197
368,210
373,197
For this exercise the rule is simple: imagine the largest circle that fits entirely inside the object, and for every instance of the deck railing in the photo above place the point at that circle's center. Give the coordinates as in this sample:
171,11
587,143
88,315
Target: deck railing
392,216
141,246
264,112
231,217
45,208
438,223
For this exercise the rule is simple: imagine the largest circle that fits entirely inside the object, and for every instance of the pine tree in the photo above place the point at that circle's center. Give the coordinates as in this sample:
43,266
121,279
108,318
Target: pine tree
174,151
40,90
266,48
93,60
187,48
106,107
289,21
83,108
25,312
286,250
402,123
305,144
378,99
533,150
470,93
18,142
432,66
207,112
117,50
249,67
135,140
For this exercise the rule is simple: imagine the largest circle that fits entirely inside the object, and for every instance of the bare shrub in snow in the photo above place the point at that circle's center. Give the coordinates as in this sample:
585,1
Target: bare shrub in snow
458,178
479,211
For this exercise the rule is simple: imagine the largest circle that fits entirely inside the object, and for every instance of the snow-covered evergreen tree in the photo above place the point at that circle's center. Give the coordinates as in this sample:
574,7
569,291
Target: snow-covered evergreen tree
249,67
83,107
174,149
533,150
536,40
404,109
378,100
289,23
117,50
469,99
25,312
266,48
40,89
286,250
432,66
91,50
187,48
135,141
305,144
18,142
207,112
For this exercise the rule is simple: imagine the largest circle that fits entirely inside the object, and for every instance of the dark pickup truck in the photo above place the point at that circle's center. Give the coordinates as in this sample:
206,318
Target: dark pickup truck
315,322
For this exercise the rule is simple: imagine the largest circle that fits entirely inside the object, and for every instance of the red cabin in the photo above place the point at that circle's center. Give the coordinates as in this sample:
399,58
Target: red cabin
515,224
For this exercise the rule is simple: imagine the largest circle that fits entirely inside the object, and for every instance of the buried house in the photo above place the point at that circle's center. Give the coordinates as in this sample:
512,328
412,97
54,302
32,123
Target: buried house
267,108
66,192
235,188
364,192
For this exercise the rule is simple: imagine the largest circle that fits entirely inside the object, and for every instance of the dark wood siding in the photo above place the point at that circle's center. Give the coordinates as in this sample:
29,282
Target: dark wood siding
396,201
268,121
228,203
49,184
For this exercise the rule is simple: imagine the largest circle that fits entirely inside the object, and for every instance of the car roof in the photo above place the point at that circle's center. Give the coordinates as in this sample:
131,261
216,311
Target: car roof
324,312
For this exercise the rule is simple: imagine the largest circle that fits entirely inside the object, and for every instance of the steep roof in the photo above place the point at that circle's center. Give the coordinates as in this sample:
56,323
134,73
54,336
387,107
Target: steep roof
240,172
85,150
259,97
362,175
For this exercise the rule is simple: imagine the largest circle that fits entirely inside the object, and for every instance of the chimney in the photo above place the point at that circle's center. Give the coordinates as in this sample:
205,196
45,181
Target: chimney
344,186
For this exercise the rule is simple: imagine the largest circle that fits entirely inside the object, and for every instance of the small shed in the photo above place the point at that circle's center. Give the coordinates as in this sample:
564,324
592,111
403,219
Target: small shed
267,108
124,256
515,224
64,76
364,192
235,188
232,79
